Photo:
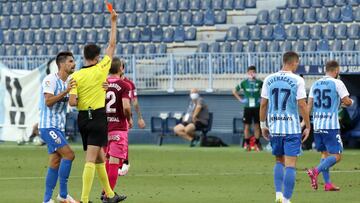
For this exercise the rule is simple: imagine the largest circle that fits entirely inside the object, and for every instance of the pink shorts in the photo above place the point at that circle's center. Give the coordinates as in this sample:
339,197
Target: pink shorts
117,144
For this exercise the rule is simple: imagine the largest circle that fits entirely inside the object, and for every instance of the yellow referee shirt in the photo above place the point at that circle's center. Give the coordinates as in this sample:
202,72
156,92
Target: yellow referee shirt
89,80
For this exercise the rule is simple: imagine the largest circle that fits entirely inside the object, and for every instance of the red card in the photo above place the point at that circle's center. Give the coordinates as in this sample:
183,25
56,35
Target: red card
109,7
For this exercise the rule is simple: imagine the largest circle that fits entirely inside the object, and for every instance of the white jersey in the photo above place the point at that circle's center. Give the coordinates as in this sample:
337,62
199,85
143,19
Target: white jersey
326,93
54,116
283,90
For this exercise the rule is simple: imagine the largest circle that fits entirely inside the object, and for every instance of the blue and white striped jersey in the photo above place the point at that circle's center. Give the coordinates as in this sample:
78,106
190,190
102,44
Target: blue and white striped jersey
54,116
327,93
283,90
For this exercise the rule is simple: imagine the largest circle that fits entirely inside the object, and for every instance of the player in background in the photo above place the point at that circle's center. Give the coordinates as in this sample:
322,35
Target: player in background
283,97
118,112
54,100
326,96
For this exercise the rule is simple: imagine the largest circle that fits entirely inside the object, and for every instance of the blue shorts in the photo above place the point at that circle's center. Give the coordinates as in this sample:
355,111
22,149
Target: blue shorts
288,145
54,138
328,140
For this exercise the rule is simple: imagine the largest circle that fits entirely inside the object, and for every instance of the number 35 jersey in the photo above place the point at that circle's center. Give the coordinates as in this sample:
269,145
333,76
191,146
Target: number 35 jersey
283,89
118,90
326,93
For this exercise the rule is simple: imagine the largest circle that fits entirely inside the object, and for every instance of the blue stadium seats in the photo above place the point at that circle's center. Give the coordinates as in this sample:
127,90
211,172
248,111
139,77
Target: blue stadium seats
89,7
214,47
140,5
291,33
1,36
57,7
134,35
164,19
119,49
128,49
157,35
19,37
153,19
179,34
150,49
304,32
124,35
36,8
62,48
102,36
46,22
168,35
11,51
249,47
25,22
16,8
357,46
70,37
6,9
336,45
202,48
139,49
121,20
77,21
267,32
316,32
310,46
335,15
173,5
209,18
228,4
78,7
310,15
323,45
341,32
81,37
239,4
298,16
142,19
60,37
316,3
274,16
5,22
292,4
232,34
186,18
27,8
220,17
286,46
353,31
262,17
29,37
67,7
151,5
175,19
261,47
217,4
250,3
39,37
329,32
99,8
205,4
304,3
184,5
56,22
194,5
353,2
349,45
279,32
329,3
35,22
322,15
52,50
347,14
21,51
244,33
255,33
237,47
91,37
190,33
31,50
225,47
99,21
131,20
161,49
340,2
145,35
198,19
46,8
67,22
15,22
41,51
119,6
50,37
2,51
286,16
162,5
357,14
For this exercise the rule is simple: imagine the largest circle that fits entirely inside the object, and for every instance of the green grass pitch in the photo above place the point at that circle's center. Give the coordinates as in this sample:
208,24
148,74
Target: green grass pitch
177,174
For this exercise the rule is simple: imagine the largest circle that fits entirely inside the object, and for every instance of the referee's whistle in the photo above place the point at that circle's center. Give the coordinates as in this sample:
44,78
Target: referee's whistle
90,114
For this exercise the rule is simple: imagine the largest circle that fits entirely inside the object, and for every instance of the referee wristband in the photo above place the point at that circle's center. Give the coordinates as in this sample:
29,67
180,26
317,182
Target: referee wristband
263,124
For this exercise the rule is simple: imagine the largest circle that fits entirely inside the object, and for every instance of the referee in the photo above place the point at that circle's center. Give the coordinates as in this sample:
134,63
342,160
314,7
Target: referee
89,97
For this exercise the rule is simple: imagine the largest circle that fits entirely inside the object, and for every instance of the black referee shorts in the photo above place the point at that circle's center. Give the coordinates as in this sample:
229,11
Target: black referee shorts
93,130
251,115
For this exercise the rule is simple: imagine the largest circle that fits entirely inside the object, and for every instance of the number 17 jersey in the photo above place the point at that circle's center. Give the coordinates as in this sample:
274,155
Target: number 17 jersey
283,90
326,93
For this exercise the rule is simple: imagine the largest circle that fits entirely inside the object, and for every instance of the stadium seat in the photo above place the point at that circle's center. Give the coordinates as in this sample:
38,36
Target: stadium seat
168,35
74,49
298,16
141,19
322,15
121,20
119,6
57,7
131,20
161,49
262,17
291,33
124,35
329,32
67,22
232,34
139,49
145,35
10,51
175,18
353,31
340,3
179,34
186,18
70,37
279,32
39,37
81,37
298,46
225,47
220,17
357,46
184,5
5,22
310,46
60,37
162,5
157,34
304,32
323,45
244,33
36,8
102,36
261,47
128,49
164,19
99,21
217,4
56,21
190,34
52,50
21,51
228,4
91,37
19,37
249,47
119,49
274,16
310,15
267,32
46,22
250,3
140,5
29,37
209,18
150,49
255,33
316,32
78,7
286,16
67,7
135,35
77,21
335,15
357,14
292,4
194,5
99,8
237,47
336,45
150,5
347,14
202,48
205,4
25,22
341,32
15,22
316,3
8,38
31,50
41,51
46,8
198,19
50,37
353,2
304,3
349,45
286,46
16,8
89,7
153,19
26,8
239,4
62,48
173,5
214,47
130,6
329,3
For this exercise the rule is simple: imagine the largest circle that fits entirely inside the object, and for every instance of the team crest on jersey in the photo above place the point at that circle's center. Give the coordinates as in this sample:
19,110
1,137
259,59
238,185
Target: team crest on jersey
47,83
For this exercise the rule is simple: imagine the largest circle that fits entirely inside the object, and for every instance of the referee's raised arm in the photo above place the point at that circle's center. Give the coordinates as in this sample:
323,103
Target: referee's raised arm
112,41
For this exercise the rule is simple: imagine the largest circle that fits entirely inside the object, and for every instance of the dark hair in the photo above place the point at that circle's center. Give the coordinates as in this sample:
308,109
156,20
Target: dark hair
251,68
116,64
91,51
331,66
290,57
62,56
